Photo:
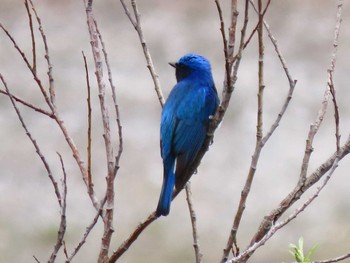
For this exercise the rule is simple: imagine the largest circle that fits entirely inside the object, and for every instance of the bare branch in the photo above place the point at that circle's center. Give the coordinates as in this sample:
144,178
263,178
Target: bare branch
109,210
277,226
90,183
261,15
291,81
304,182
88,230
116,106
36,146
127,243
31,106
32,34
63,223
337,259
198,254
36,78
136,22
331,72
36,259
47,57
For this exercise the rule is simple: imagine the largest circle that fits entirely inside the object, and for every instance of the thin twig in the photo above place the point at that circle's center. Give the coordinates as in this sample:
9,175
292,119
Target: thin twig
331,72
57,118
277,226
228,65
262,14
36,146
31,106
136,22
196,246
34,73
291,80
47,57
87,232
32,34
259,126
337,259
90,183
336,111
63,223
36,259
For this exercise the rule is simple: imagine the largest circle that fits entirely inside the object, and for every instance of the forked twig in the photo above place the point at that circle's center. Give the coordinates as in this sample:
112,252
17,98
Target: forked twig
27,104
63,221
87,232
277,226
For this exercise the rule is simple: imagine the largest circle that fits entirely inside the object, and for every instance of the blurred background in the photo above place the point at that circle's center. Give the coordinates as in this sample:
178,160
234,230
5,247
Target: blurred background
29,215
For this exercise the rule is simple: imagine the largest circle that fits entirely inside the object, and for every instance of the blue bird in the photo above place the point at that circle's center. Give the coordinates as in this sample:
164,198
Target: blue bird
184,122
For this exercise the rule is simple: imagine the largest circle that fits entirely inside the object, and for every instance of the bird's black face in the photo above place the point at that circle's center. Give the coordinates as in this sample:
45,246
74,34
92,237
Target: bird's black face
181,71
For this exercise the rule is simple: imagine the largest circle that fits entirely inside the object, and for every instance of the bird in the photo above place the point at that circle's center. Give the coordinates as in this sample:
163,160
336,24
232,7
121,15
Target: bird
184,123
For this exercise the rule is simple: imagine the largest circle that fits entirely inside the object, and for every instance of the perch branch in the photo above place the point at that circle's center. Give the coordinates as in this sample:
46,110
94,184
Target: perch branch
196,246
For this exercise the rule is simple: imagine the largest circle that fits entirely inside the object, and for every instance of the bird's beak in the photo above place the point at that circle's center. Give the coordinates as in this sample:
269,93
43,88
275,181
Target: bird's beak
173,64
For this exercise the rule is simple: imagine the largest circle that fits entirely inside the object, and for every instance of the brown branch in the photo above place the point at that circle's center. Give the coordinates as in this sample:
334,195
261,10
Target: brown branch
57,118
337,259
63,223
270,219
34,73
331,72
31,106
277,226
136,22
256,28
88,230
33,141
32,34
228,64
90,183
127,243
198,254
109,210
336,111
36,259
259,128
47,57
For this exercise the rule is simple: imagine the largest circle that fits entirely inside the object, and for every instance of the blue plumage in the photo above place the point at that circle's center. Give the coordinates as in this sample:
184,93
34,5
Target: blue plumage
184,122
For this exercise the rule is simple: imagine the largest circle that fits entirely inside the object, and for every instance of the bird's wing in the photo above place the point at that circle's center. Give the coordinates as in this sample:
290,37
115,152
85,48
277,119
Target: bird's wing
191,127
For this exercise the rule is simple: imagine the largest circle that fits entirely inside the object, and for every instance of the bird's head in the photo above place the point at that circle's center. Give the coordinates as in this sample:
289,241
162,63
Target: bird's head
192,64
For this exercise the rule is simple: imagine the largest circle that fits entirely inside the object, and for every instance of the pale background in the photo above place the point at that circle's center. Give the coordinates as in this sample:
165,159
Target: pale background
29,210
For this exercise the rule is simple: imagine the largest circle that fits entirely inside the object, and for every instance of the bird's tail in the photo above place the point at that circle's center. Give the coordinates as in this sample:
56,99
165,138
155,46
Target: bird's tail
166,193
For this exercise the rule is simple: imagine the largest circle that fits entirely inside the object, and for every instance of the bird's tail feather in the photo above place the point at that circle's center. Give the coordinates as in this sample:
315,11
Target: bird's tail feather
166,194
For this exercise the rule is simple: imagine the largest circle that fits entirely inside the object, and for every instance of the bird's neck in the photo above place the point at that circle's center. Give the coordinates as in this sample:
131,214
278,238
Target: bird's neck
201,77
